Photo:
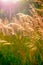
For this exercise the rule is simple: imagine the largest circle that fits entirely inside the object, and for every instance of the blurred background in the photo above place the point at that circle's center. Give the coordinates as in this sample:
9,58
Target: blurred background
10,8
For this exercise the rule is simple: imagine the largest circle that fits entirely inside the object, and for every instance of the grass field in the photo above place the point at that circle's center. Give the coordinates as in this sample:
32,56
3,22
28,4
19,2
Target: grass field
24,50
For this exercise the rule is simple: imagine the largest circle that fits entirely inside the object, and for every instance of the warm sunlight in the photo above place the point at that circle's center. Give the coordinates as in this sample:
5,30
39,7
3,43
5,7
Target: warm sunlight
21,32
14,1
11,1
5,1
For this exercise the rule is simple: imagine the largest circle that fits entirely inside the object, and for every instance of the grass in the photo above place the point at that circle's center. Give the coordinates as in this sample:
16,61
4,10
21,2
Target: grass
22,50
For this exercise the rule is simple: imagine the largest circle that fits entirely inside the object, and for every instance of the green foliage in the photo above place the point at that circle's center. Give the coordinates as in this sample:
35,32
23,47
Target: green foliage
21,51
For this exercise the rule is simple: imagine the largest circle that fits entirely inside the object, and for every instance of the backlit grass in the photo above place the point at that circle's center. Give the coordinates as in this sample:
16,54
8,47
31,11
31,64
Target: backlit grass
22,50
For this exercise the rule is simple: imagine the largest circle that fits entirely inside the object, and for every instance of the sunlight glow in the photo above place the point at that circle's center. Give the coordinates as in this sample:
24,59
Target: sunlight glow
5,1
14,1
10,1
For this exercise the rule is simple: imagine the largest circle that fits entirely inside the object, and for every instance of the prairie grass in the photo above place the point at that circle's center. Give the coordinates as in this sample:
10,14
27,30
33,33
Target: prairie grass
21,51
